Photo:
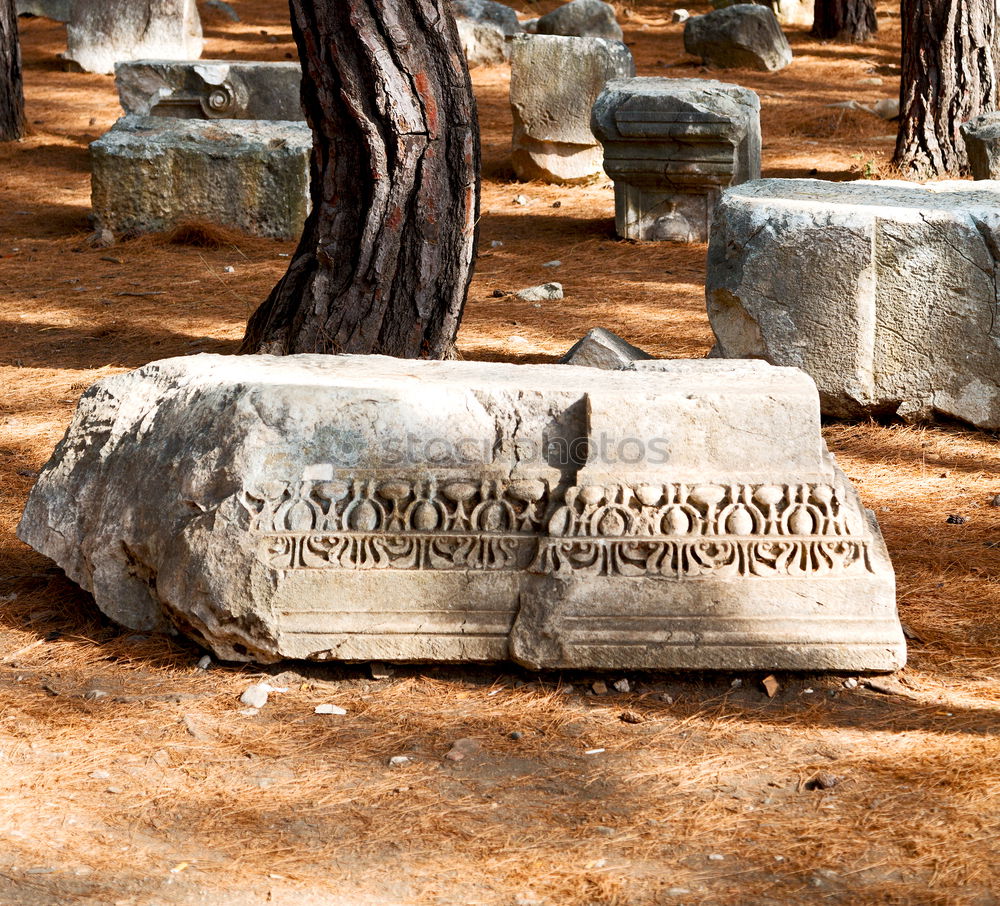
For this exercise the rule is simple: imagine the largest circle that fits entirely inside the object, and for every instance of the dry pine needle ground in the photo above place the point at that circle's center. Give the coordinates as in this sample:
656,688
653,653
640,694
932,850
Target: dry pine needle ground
128,776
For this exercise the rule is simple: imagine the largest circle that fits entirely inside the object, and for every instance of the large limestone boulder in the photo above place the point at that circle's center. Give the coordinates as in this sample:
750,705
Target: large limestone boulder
485,29
884,292
369,508
554,82
982,142
101,33
210,89
150,173
581,19
744,36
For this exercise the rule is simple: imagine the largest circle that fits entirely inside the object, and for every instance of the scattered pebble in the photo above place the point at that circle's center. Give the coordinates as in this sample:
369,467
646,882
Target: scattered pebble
545,292
555,263
850,683
956,520
605,831
808,691
94,694
822,781
522,199
204,662
114,790
496,244
665,697
229,269
256,695
623,685
516,734
887,108
379,671
771,686
995,501
631,717
100,775
557,204
330,709
677,891
600,687
736,683
593,751
399,760
249,712
716,857
680,15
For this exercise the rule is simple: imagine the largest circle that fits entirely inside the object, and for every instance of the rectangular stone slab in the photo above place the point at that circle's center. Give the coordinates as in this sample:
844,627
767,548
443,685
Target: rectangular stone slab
152,172
684,514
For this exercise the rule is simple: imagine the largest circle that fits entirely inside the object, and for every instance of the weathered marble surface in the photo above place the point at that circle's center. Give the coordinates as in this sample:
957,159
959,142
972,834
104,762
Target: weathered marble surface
682,515
554,82
884,292
210,89
150,173
101,33
671,146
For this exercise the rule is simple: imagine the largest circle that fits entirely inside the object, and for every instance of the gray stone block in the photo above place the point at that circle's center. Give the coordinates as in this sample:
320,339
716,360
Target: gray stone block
884,292
788,12
59,10
601,348
581,19
681,515
101,33
150,173
982,142
210,89
744,36
672,146
485,28
553,85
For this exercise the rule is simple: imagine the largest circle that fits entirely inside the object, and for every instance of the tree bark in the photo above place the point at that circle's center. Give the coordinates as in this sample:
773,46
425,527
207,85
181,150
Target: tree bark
848,21
387,253
949,75
11,87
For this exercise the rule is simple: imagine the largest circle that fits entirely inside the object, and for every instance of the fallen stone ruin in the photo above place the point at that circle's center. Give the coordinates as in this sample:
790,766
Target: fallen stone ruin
100,33
671,146
744,36
682,514
219,141
884,292
554,82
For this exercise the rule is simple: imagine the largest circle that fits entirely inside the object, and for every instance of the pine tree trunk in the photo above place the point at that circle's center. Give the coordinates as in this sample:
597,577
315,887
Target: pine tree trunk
949,75
386,257
11,88
849,21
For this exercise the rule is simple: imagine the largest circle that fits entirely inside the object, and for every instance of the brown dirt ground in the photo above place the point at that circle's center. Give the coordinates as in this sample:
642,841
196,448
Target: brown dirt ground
160,791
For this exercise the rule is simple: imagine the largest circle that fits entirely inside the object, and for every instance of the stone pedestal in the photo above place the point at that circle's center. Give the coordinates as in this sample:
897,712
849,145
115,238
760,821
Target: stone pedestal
210,89
554,82
682,515
101,33
672,146
150,173
885,292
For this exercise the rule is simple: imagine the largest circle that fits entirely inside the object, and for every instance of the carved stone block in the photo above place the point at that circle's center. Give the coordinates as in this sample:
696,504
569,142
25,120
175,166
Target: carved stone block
672,146
150,173
554,82
683,514
210,89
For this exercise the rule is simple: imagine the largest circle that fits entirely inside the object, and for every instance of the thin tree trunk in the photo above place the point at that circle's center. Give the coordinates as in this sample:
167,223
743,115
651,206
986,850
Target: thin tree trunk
848,21
949,75
386,257
11,88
